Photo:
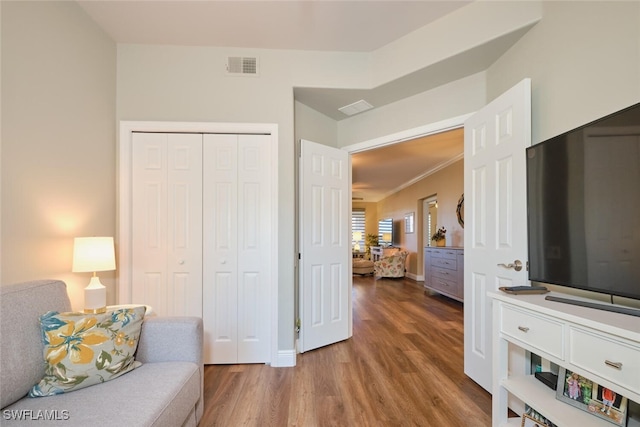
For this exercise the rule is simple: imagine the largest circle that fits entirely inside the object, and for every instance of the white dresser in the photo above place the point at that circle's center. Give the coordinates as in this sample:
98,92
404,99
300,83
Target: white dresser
599,345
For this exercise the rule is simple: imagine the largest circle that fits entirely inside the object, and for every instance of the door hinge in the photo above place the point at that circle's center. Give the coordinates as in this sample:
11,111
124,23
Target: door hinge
298,325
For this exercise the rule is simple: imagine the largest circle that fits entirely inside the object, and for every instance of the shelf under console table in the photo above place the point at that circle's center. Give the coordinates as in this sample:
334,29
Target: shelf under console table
599,345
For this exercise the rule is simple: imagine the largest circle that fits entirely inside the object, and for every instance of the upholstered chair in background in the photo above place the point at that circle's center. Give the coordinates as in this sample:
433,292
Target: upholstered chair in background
391,265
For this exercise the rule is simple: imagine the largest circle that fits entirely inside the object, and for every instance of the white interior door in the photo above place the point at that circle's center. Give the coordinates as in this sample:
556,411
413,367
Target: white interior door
237,248
166,222
325,246
495,232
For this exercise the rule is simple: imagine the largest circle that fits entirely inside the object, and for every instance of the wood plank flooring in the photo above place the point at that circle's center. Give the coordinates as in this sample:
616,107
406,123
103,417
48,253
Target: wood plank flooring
402,367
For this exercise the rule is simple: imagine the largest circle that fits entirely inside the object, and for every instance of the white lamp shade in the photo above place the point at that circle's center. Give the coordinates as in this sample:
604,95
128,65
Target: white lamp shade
386,237
91,254
357,236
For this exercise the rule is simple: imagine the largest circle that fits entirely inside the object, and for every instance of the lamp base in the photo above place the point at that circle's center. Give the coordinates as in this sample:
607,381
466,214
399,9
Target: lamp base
95,297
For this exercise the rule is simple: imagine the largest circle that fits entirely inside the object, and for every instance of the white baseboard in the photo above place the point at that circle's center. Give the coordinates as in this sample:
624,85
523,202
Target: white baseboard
416,277
286,359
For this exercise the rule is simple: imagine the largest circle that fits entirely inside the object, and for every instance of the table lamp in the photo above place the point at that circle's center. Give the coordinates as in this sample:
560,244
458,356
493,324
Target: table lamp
386,237
93,254
357,236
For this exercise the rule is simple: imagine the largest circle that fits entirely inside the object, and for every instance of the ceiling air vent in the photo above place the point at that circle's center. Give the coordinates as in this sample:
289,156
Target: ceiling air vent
356,107
242,66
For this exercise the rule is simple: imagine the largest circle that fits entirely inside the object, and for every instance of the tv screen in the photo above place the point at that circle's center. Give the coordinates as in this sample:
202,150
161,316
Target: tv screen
583,196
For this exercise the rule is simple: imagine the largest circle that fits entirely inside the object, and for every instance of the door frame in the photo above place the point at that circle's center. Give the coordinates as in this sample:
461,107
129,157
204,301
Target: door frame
409,134
123,207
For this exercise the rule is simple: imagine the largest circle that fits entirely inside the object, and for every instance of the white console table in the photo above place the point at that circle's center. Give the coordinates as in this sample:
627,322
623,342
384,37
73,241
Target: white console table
378,252
584,340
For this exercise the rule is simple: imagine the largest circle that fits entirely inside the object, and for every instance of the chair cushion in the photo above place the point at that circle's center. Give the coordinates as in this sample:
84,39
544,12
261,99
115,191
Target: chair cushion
161,394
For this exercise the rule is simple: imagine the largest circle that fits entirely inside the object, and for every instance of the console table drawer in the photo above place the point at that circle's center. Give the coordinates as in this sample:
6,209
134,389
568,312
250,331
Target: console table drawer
538,332
611,359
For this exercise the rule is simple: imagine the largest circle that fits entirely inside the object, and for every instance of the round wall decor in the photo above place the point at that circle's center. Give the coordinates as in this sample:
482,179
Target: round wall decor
460,211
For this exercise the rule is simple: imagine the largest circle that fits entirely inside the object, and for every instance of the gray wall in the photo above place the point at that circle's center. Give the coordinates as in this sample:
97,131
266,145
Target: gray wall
58,140
584,62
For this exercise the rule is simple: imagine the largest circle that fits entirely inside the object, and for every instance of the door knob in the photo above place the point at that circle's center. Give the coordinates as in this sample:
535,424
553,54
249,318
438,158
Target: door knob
517,265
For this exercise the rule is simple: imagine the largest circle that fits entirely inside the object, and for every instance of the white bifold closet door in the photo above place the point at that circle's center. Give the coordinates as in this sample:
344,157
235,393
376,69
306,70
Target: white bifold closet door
237,245
202,236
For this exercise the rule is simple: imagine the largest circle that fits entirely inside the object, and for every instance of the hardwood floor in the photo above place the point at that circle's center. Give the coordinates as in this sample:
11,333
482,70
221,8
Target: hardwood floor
403,366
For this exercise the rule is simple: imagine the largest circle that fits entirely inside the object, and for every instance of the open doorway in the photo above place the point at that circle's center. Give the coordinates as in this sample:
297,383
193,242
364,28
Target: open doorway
429,219
387,161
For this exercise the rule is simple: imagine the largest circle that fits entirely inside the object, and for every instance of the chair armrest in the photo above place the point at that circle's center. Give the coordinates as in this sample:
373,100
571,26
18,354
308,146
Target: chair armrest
170,339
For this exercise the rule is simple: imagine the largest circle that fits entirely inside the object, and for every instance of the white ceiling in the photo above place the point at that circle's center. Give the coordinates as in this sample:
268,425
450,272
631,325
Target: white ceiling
323,25
379,173
328,25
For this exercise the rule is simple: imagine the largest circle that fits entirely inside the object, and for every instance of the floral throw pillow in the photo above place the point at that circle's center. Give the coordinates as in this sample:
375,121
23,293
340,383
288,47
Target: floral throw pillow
81,349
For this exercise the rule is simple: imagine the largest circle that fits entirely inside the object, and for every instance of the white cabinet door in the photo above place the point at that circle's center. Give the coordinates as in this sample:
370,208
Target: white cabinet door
237,248
166,222
495,139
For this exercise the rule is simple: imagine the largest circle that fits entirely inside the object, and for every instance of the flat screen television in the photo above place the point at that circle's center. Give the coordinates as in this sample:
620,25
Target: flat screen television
583,201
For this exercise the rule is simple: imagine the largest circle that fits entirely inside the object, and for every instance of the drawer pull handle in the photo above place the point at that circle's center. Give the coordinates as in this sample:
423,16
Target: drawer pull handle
616,365
523,328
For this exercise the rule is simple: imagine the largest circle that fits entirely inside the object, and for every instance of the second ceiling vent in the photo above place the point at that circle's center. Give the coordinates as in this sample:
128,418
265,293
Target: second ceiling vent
356,107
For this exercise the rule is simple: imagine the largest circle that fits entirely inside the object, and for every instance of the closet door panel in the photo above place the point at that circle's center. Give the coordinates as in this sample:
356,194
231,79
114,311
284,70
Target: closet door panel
254,235
166,221
184,225
220,247
149,220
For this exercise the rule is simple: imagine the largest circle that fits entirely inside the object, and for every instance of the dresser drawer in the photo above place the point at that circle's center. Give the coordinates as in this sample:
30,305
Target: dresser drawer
610,359
443,273
448,263
449,286
444,253
538,332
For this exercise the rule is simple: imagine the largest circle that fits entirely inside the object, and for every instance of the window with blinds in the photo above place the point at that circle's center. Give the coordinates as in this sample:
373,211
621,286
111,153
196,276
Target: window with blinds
357,227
